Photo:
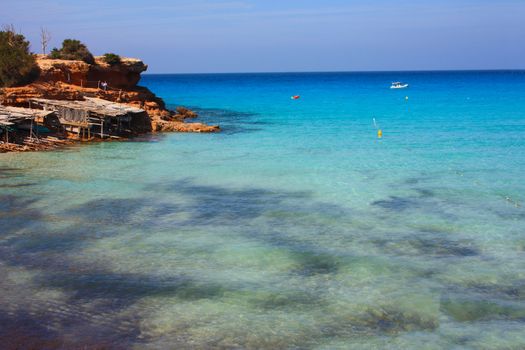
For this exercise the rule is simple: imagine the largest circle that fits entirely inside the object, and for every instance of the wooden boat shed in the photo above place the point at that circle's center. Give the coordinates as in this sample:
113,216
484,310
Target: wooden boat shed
17,117
91,116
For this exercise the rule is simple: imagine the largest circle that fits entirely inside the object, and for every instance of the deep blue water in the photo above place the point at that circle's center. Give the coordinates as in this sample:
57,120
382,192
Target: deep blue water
295,227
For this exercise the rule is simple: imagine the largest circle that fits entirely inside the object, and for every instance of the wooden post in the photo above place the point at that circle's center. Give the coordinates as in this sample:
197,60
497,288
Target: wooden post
6,128
102,128
31,131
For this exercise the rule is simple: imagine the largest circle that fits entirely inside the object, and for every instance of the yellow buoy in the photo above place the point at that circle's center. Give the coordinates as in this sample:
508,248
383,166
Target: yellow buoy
379,133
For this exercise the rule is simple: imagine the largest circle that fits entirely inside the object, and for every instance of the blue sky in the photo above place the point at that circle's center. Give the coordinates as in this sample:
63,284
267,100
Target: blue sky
183,36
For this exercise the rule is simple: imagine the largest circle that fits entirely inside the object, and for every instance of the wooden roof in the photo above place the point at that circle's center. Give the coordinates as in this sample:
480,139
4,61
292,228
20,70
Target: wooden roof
93,105
12,115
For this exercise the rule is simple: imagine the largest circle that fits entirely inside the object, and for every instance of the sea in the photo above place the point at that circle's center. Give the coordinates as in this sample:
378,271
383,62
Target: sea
295,227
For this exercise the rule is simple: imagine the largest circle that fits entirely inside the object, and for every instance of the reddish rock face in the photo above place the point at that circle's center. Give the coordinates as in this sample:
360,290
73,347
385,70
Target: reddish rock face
72,72
19,96
125,75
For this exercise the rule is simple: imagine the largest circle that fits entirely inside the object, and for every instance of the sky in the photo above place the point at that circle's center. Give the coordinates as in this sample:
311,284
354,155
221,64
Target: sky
222,36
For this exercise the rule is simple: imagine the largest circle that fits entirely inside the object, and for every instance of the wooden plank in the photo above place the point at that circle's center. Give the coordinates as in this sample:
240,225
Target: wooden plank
93,105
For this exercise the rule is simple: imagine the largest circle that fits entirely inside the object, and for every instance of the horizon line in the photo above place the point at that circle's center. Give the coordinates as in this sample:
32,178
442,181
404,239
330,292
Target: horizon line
350,71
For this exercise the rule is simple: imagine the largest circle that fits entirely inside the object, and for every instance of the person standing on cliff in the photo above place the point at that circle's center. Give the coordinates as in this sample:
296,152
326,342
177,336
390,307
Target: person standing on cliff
104,85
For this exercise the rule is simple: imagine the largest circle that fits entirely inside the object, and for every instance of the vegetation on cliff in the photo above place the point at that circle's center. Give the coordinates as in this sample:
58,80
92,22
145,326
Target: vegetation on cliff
17,64
112,59
72,50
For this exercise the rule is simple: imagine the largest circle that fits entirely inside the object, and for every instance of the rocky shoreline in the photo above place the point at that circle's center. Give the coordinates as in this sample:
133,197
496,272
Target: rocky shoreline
69,80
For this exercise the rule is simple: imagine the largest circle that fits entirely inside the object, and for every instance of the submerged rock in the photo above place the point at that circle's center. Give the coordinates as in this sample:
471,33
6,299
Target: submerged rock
394,321
471,310
435,246
383,319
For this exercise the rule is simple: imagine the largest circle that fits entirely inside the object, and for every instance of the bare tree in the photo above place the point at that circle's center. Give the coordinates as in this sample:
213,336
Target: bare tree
10,30
45,38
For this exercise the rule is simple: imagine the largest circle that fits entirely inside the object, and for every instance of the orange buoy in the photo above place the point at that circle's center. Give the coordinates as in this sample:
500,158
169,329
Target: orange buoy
379,133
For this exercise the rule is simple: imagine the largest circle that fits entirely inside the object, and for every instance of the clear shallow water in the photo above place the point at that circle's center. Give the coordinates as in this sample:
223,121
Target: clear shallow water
293,228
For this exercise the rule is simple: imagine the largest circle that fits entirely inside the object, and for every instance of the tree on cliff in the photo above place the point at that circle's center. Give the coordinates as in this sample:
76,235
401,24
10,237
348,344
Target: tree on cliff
73,50
45,38
17,64
112,59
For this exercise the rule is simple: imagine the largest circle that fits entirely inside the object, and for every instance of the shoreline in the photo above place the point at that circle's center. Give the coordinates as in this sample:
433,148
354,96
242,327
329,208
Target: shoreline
76,102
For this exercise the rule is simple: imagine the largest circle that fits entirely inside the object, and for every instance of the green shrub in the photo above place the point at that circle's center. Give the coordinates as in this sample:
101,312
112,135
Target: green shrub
17,64
54,54
73,50
112,59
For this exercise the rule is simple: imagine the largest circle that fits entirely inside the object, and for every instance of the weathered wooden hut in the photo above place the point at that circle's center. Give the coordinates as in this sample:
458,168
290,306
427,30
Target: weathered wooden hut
91,116
17,118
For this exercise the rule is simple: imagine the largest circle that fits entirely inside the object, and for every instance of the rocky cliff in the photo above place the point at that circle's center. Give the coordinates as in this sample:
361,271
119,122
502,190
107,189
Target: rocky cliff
71,80
124,75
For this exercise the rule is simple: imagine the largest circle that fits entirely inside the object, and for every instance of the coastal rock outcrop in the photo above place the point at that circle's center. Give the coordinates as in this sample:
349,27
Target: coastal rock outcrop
19,96
163,126
124,75
74,80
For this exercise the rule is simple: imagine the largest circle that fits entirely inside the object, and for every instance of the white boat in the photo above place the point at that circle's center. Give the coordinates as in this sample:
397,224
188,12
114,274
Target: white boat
398,85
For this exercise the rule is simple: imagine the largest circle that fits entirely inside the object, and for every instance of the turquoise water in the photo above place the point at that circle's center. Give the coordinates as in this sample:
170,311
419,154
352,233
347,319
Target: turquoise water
296,227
